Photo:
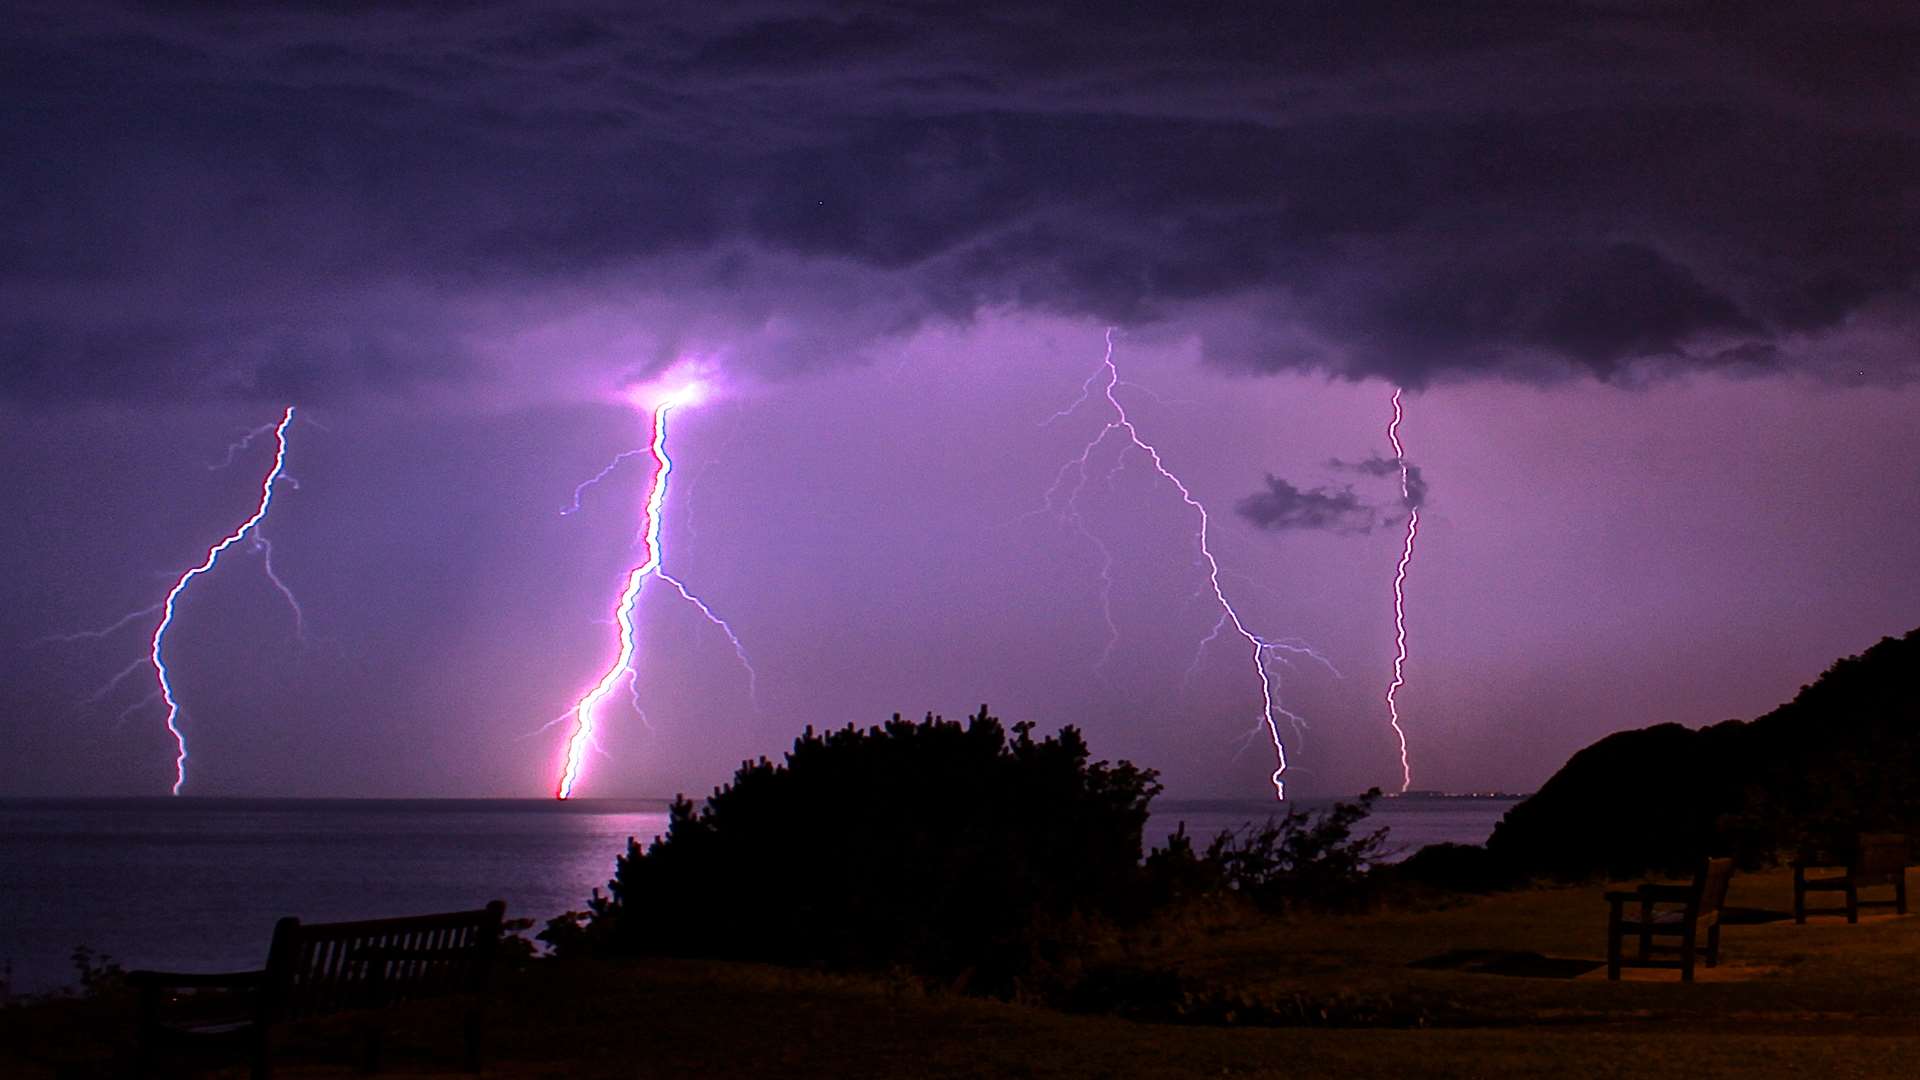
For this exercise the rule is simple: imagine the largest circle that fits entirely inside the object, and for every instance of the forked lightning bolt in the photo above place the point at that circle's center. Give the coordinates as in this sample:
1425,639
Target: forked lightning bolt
167,606
1399,596
585,711
1261,649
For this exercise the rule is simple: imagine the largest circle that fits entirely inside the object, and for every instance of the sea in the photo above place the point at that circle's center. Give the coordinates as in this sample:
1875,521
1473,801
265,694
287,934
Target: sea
195,884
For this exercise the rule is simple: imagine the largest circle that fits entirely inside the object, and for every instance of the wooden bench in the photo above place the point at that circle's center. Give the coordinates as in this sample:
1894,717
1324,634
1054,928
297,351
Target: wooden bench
1878,859
1681,911
315,969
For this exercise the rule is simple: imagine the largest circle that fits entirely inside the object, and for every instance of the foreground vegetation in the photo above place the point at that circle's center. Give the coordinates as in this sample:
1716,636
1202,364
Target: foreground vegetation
1826,996
949,901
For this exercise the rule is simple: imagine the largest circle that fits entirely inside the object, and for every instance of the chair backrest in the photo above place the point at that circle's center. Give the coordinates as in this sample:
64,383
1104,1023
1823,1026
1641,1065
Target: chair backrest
1880,854
317,968
1710,886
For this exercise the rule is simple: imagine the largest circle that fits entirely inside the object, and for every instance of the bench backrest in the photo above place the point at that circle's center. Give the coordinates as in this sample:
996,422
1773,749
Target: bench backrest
315,968
1710,886
1881,855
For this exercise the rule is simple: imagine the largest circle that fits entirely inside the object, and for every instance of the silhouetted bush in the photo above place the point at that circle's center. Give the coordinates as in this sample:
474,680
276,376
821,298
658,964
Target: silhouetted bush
96,974
1301,859
945,849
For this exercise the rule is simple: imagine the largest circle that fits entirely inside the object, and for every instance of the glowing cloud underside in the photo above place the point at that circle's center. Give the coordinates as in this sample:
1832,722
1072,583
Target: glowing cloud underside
1261,650
167,606
1400,598
585,713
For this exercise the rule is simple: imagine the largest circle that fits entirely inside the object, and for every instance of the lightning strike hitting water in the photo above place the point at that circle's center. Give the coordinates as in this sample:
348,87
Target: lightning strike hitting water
584,713
161,675
1261,649
1399,596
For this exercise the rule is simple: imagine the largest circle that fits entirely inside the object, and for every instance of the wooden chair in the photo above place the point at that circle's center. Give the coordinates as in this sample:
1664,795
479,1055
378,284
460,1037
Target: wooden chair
1878,859
314,969
1681,911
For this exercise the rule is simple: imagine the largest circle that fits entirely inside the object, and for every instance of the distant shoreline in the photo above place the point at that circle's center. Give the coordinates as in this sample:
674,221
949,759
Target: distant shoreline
615,804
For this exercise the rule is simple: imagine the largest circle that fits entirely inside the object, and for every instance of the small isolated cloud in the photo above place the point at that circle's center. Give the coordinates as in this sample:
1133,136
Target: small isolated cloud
1416,483
1282,507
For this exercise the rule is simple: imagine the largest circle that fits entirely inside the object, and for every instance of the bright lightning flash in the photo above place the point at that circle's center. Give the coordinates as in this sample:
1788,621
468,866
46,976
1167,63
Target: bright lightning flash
1261,649
1399,596
161,674
585,711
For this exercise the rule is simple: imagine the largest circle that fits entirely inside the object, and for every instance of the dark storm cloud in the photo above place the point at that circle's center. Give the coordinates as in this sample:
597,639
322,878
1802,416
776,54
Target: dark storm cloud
217,202
1282,507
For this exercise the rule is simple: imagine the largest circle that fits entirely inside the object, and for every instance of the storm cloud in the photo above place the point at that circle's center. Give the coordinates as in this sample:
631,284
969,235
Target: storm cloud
541,198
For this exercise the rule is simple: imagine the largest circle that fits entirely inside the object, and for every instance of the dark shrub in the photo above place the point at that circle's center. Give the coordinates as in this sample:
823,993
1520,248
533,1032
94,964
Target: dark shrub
946,849
1301,859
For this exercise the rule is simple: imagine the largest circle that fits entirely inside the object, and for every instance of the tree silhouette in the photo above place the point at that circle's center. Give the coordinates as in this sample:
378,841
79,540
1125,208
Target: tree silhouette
944,848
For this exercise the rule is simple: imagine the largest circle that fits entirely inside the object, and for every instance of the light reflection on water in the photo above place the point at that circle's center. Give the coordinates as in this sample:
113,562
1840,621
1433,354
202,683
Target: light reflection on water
196,884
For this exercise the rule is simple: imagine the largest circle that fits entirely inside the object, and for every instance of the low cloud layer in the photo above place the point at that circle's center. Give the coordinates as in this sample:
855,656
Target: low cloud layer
309,202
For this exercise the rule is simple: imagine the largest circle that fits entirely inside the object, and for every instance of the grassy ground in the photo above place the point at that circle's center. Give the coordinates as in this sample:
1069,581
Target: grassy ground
1827,997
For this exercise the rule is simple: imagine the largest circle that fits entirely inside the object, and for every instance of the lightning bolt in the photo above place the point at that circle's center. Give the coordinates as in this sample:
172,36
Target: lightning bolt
585,711
1400,597
1103,382
581,489
167,606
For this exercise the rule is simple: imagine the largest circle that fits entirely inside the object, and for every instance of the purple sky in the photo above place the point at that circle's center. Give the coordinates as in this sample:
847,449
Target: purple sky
1650,283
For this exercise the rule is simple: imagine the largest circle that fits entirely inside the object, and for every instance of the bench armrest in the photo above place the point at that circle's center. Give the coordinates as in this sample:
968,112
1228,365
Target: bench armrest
196,980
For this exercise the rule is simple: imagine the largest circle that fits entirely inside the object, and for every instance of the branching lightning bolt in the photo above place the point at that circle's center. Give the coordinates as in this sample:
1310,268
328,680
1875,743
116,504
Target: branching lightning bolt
167,606
584,712
581,489
1262,649
1399,596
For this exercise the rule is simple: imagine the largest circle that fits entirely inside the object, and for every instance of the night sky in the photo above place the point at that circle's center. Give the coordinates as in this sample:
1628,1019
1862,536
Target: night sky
1650,281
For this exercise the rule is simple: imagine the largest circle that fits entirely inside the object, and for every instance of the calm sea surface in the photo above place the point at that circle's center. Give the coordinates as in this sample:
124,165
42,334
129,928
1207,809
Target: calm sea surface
196,884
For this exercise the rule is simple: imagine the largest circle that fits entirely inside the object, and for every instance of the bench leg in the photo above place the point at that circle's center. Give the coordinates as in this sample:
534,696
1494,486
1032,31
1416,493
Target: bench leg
376,1033
1799,895
1686,956
1853,902
262,1067
1613,942
1713,945
1900,893
474,1025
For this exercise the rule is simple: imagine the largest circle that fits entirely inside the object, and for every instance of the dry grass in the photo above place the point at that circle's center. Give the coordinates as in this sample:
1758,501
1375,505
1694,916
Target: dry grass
1829,998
